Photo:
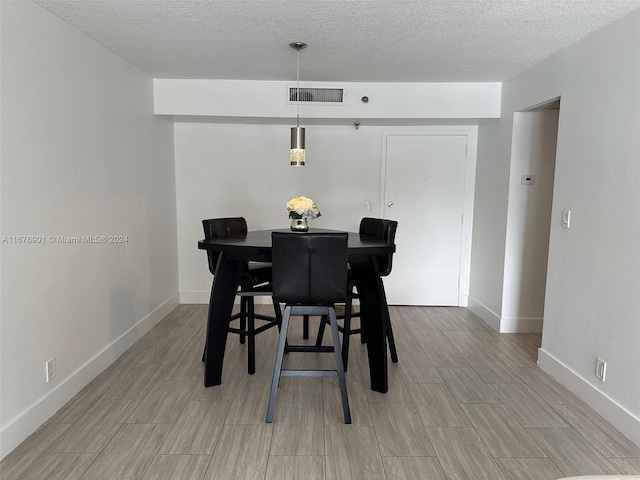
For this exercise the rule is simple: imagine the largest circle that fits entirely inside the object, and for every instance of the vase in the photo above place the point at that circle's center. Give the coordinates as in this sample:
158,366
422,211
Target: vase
299,225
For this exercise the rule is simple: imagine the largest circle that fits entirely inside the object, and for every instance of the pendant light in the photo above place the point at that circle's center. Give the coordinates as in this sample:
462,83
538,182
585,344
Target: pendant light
297,153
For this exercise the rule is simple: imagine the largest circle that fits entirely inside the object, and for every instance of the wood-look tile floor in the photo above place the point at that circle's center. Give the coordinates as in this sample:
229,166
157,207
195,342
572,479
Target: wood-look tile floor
464,402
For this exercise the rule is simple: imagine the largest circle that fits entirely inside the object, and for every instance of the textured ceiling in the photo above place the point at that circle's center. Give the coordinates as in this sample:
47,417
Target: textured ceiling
349,40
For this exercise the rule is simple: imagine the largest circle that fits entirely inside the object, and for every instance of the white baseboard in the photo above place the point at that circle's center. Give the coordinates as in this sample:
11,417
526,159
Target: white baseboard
491,318
202,298
520,325
504,324
614,413
32,417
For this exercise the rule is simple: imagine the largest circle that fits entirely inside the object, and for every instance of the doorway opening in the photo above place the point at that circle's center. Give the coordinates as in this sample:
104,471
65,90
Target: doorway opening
533,155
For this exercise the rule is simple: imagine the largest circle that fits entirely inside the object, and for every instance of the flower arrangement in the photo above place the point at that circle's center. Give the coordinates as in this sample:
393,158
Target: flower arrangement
302,207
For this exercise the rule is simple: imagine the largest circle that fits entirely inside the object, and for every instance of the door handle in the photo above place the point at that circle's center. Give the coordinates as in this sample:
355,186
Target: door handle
390,204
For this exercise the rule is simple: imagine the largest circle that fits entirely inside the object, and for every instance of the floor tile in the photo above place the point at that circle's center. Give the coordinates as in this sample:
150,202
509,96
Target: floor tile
546,387
298,429
358,404
397,388
249,405
626,466
164,403
241,453
295,468
466,385
500,432
416,368
136,382
399,431
197,429
177,467
406,341
462,401
129,453
467,342
95,428
513,354
56,466
444,354
527,407
413,468
598,432
492,369
571,453
79,404
30,451
301,389
529,469
463,455
436,406
352,453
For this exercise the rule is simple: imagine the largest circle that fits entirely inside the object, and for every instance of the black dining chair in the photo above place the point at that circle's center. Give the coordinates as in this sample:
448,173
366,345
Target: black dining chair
377,229
309,276
255,280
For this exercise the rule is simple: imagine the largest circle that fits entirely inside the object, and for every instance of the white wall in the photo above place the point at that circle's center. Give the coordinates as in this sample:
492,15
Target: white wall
82,154
267,100
243,170
592,295
490,221
533,153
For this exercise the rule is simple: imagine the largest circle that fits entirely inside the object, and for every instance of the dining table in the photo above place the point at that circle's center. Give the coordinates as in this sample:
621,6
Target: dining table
236,251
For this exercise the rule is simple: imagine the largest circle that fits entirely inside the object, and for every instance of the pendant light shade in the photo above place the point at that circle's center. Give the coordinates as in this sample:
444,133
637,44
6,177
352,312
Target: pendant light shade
297,146
297,153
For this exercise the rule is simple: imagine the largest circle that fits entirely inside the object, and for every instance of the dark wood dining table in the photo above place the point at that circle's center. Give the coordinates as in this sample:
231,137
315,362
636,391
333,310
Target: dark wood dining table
235,251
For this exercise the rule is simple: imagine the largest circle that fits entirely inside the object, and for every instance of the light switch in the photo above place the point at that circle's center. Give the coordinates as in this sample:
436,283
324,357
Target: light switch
566,218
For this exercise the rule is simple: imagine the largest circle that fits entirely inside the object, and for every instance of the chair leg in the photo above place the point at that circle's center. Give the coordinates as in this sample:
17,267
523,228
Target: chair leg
277,369
339,365
278,313
305,327
320,336
251,334
391,341
243,317
346,334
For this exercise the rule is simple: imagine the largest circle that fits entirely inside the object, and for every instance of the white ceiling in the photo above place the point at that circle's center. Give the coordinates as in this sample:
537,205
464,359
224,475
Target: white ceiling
349,40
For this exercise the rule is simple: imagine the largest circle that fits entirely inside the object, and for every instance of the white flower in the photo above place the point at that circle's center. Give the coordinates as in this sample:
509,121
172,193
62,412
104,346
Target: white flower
302,207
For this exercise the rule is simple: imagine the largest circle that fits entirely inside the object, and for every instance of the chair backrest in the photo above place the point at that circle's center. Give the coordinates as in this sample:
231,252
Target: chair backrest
309,268
380,229
222,227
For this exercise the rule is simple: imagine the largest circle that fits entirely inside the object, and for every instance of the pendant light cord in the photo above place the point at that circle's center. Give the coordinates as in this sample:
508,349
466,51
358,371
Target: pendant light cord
298,91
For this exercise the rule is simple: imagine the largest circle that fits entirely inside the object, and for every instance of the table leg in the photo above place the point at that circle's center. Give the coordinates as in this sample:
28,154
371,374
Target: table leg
223,294
373,311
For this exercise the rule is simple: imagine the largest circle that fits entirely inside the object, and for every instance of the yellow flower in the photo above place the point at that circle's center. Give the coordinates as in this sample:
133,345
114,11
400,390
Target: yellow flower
302,207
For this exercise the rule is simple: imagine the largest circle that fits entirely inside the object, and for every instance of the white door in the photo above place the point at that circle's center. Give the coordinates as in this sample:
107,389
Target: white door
424,191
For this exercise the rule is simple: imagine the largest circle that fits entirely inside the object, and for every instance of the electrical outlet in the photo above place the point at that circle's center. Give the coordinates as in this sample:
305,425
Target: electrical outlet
566,219
50,369
367,207
601,368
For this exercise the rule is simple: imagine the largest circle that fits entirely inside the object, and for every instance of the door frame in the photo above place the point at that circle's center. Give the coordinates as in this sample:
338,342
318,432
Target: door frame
471,132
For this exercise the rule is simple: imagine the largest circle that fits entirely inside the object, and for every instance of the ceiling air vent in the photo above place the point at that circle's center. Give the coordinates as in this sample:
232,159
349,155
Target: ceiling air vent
316,95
